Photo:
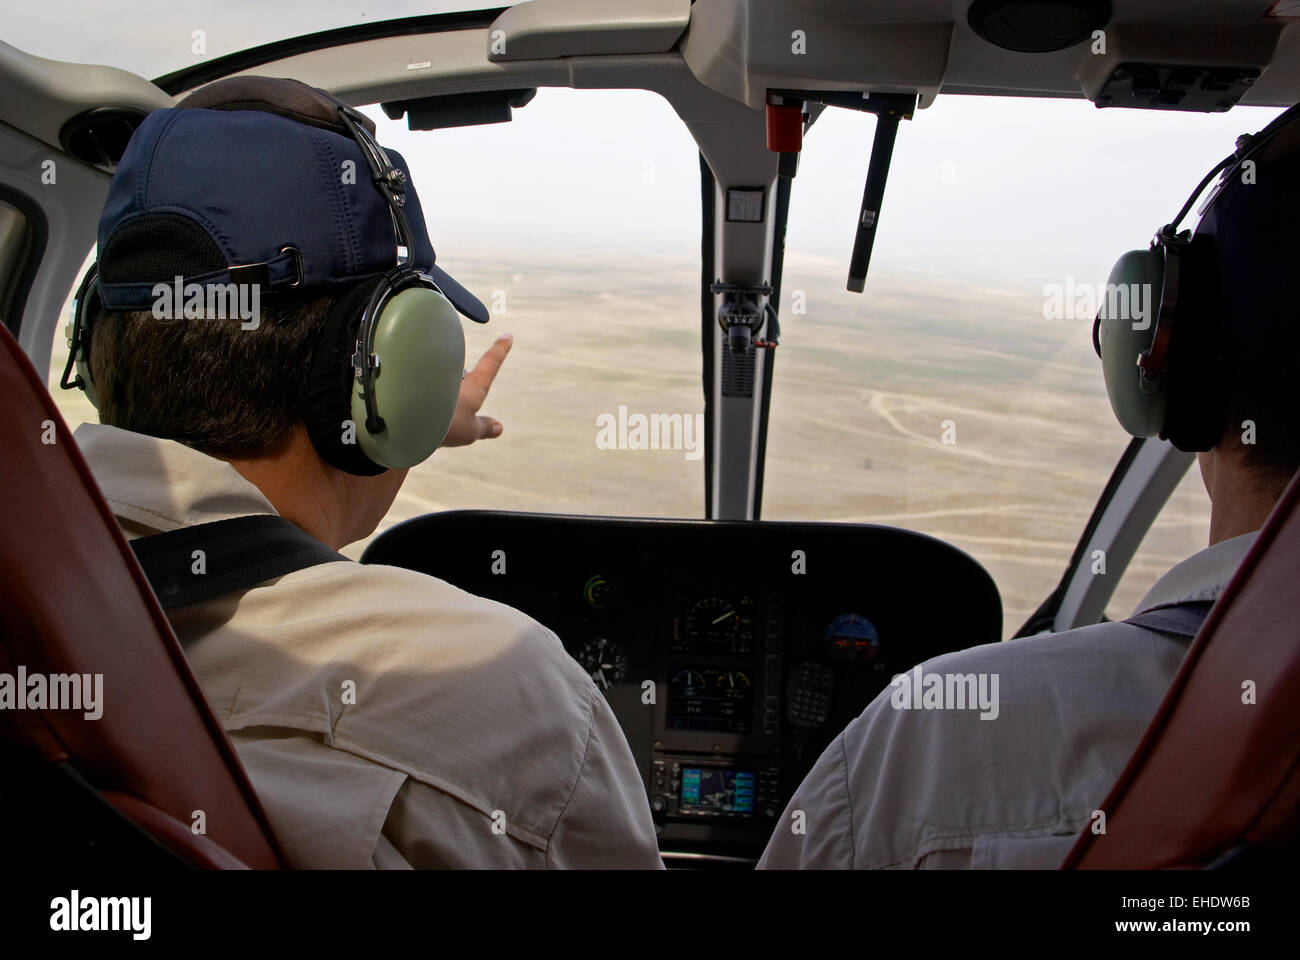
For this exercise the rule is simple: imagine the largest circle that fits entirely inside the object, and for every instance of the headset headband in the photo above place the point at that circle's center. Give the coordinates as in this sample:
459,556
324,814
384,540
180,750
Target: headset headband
1168,238
387,178
1248,146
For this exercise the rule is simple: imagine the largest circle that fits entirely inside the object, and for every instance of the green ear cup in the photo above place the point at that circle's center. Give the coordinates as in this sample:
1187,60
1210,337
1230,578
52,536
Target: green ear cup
421,349
1125,332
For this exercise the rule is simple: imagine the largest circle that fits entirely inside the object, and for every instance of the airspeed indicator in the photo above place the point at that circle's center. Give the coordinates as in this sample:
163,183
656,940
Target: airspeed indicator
712,619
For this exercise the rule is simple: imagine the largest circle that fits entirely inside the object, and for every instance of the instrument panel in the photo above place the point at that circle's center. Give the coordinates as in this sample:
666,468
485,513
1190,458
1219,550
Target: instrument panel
731,653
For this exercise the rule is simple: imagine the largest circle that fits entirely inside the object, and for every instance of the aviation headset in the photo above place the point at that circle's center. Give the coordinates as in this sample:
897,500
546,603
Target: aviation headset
1175,389
362,418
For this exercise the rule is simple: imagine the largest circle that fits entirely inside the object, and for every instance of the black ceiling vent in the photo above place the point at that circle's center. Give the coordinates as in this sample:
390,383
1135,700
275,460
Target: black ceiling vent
1037,26
99,136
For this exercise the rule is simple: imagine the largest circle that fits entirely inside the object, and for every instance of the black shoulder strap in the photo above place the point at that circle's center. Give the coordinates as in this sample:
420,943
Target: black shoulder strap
1181,619
237,554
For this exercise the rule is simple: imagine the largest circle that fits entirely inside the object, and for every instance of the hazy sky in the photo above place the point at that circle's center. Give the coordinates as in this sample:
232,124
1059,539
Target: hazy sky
1016,193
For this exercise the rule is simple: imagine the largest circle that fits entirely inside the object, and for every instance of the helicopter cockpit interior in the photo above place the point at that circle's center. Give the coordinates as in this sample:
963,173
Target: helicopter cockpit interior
732,643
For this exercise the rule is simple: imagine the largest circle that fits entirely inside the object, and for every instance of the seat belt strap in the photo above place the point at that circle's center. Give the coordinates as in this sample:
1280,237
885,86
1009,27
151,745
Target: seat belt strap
237,554
1181,619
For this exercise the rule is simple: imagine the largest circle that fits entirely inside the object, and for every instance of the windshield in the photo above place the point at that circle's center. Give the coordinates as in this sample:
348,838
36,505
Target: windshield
959,395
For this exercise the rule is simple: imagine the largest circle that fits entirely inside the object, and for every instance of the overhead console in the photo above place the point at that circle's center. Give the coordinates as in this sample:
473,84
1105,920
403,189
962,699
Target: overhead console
1183,67
1114,53
731,653
744,48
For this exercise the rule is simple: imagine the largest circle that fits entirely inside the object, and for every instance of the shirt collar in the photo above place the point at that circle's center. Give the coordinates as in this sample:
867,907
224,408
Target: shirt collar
162,485
1201,576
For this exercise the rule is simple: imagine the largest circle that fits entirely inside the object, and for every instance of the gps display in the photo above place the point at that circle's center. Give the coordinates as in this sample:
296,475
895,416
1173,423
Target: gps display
717,790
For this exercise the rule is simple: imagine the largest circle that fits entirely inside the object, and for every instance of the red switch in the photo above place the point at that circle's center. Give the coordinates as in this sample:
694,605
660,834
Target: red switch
785,128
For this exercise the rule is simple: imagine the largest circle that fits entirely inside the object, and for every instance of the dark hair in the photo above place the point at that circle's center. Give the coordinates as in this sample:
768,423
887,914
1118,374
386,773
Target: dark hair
1264,408
1258,245
207,383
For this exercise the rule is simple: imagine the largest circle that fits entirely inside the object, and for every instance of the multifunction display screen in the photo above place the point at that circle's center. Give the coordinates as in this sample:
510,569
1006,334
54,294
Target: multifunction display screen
717,790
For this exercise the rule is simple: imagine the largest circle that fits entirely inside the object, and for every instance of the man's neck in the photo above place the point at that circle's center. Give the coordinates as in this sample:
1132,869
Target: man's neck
303,489
1240,499
1229,521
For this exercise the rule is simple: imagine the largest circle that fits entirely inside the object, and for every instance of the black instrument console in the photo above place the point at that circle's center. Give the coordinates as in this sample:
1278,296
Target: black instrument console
732,653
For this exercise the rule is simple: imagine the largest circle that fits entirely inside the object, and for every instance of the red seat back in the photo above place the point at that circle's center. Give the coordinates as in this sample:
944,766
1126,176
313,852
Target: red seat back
1216,773
73,600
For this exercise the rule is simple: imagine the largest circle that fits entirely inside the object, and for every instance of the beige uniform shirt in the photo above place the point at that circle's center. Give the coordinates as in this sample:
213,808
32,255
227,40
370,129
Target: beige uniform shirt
474,739
942,788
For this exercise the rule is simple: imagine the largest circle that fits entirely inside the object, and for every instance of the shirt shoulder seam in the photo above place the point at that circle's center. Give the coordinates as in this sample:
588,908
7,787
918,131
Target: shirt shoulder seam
586,750
417,774
848,797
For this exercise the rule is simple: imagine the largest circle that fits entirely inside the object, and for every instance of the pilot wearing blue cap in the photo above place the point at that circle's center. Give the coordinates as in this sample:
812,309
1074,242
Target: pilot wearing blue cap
267,334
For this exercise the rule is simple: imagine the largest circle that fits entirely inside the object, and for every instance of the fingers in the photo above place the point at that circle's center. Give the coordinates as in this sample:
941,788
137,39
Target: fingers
468,426
489,365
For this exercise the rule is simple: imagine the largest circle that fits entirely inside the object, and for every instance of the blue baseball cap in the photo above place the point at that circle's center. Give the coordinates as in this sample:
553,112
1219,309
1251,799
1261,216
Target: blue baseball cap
255,180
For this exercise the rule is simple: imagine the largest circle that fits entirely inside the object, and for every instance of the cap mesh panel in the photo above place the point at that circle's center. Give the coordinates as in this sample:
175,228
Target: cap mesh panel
159,247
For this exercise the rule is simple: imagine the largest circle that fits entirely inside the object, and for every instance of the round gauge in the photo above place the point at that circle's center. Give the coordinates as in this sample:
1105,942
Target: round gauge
598,593
733,680
712,619
688,680
605,661
852,636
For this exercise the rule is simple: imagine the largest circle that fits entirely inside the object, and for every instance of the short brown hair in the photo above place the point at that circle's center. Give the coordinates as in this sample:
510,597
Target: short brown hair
1265,400
207,383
